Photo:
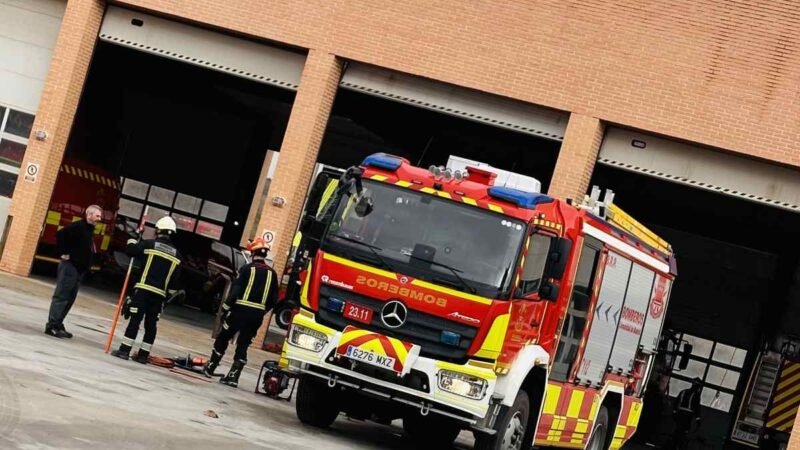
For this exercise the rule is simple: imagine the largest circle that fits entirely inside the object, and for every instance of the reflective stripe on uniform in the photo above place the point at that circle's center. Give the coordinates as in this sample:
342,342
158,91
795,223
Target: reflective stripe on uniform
146,347
245,301
127,341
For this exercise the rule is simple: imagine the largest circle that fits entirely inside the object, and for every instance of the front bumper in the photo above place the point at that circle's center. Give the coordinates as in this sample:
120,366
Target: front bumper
429,397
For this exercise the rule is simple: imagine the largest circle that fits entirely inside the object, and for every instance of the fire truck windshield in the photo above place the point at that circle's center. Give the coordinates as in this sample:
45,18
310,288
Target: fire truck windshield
435,239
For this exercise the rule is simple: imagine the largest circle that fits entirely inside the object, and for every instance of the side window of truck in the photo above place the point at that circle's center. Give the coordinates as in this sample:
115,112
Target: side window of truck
577,310
535,262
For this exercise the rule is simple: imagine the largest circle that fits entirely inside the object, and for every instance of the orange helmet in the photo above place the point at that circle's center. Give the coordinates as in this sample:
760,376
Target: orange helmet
257,244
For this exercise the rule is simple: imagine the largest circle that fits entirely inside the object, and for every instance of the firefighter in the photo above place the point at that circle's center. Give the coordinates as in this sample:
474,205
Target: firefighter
686,412
159,261
253,294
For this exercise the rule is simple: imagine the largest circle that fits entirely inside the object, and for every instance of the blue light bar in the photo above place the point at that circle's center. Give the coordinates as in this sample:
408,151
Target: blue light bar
527,200
335,304
450,338
383,161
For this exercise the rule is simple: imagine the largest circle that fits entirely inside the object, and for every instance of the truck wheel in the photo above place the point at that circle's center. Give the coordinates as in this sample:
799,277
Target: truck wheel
429,431
599,431
316,403
283,315
511,427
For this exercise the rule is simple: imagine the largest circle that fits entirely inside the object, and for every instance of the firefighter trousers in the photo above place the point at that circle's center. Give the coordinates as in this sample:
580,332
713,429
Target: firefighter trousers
145,305
244,320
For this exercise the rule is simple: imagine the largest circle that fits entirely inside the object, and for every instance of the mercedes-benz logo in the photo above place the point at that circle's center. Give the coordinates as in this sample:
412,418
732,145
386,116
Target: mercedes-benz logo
394,314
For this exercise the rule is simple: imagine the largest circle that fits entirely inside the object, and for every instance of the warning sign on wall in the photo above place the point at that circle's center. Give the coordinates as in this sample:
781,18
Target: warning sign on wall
31,172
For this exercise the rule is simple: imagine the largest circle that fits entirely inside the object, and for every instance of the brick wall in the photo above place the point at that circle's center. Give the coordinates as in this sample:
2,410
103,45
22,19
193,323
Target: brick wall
577,157
307,122
720,73
59,101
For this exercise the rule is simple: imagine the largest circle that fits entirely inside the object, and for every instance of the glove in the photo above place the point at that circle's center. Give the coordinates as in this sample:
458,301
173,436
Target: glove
126,308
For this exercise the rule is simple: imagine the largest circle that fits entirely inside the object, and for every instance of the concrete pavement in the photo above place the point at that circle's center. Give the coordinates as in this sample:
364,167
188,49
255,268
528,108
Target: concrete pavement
67,394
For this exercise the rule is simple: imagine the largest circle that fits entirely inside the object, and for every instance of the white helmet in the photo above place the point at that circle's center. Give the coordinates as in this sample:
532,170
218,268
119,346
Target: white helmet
166,224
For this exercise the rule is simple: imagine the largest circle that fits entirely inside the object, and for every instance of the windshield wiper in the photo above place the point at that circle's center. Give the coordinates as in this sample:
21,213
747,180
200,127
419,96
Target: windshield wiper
455,272
372,248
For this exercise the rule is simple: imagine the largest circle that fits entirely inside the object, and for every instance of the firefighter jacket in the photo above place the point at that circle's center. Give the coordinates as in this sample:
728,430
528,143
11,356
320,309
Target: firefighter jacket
255,288
159,261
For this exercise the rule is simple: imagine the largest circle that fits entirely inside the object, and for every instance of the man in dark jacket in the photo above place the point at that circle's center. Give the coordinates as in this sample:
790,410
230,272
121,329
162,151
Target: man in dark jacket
253,294
159,260
75,244
686,412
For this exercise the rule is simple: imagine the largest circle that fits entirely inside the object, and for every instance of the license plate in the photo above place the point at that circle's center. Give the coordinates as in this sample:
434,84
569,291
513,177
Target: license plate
358,313
368,357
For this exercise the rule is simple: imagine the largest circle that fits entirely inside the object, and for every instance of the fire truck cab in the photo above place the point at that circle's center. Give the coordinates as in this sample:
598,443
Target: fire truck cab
443,298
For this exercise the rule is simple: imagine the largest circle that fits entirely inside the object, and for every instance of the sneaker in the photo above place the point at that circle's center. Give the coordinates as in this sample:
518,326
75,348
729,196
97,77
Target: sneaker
57,332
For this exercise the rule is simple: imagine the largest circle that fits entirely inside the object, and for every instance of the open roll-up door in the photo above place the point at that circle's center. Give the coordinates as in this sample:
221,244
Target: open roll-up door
702,168
204,48
457,101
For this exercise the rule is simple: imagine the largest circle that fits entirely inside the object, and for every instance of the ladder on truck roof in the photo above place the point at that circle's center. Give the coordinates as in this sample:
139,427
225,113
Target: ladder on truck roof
612,213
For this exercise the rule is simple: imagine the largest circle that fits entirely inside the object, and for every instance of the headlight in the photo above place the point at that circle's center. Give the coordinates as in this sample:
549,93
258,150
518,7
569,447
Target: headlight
307,338
461,384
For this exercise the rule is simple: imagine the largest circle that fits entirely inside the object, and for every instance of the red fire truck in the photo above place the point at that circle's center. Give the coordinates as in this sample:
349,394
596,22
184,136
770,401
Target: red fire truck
438,297
79,185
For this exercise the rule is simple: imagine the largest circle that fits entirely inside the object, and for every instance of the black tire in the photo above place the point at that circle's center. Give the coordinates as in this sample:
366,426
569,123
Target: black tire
511,427
430,431
283,315
599,439
317,404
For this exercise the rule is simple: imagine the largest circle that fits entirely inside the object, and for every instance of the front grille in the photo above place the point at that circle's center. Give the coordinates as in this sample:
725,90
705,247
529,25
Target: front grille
422,329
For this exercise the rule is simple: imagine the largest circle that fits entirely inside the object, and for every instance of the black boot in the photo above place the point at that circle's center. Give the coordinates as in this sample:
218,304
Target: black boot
232,378
123,352
211,364
141,356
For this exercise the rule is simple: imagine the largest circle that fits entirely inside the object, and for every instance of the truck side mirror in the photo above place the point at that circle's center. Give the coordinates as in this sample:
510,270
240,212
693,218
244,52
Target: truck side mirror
364,206
683,363
557,258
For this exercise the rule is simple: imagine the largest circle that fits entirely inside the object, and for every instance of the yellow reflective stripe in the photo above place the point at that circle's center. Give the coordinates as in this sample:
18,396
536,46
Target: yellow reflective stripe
575,403
404,184
146,268
267,285
326,195
493,343
246,296
469,201
53,218
444,194
304,291
105,243
147,287
166,256
169,275
633,416
495,208
453,292
551,398
251,304
428,190
379,177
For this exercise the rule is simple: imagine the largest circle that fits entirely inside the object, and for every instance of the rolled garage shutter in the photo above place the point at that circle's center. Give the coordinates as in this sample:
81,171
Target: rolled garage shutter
204,48
702,168
457,101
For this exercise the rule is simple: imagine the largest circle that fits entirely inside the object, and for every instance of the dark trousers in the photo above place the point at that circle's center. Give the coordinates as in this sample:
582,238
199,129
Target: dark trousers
244,320
68,281
145,305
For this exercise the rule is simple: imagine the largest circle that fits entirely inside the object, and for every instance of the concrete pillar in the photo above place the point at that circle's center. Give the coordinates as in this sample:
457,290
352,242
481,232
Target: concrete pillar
577,157
59,102
298,153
